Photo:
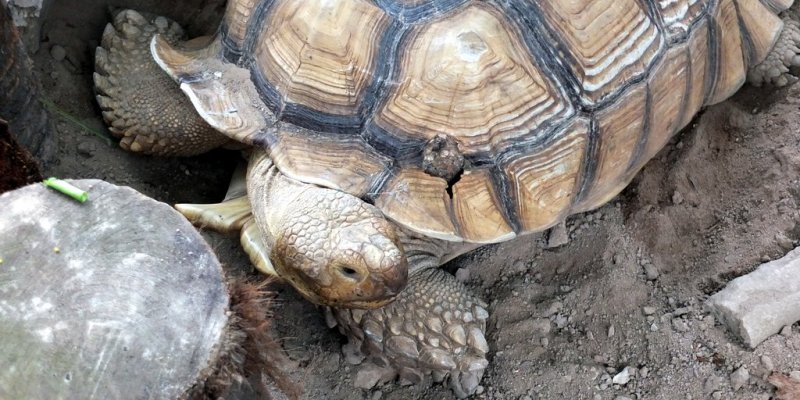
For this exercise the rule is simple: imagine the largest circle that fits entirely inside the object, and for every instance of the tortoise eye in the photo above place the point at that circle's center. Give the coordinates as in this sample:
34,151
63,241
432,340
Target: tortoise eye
349,273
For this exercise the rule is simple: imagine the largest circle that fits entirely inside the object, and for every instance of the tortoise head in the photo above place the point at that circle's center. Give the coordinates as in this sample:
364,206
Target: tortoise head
337,250
333,247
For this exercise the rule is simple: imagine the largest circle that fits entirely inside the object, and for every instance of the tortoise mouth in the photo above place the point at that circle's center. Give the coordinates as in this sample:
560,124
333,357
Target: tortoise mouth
364,305
350,301
346,288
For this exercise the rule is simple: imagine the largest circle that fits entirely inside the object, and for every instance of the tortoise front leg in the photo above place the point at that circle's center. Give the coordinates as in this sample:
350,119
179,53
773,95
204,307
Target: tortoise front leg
142,105
775,69
435,327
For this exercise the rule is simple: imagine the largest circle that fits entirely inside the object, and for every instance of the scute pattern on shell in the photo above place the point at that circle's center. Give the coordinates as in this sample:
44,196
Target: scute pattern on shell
554,104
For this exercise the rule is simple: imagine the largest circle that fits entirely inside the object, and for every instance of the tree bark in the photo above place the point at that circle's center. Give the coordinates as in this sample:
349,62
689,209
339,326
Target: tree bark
19,94
17,167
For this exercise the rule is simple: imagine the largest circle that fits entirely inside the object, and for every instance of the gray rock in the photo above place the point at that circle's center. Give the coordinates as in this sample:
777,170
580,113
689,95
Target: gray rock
558,235
712,384
766,361
352,354
679,325
677,198
371,374
622,378
739,378
786,331
58,52
784,242
104,296
86,149
540,327
650,272
795,375
759,304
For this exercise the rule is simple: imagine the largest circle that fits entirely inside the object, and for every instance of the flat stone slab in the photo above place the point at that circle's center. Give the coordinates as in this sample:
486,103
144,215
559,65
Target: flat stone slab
118,297
757,305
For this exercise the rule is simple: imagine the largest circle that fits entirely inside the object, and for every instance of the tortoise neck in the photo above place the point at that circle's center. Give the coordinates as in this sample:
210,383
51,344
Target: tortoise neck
424,252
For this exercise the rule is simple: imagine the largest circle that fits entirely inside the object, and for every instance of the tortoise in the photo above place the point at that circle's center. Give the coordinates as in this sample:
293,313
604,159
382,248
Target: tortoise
386,137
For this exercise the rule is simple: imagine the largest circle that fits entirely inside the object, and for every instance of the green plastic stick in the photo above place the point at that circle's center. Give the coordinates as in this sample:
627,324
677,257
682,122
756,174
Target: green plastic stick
67,189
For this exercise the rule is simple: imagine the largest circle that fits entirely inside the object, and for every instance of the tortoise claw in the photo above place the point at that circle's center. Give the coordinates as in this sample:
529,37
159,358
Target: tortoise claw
435,329
776,69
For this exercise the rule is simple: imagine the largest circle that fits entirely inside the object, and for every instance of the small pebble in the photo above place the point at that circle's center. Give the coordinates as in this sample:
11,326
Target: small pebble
795,375
680,325
711,384
677,198
86,149
786,331
558,236
650,272
784,242
622,378
768,364
376,395
644,372
161,23
554,308
479,389
739,378
682,311
541,326
58,52
610,330
649,310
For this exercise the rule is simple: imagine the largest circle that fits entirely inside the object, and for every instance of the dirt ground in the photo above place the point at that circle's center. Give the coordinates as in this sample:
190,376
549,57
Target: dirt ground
626,291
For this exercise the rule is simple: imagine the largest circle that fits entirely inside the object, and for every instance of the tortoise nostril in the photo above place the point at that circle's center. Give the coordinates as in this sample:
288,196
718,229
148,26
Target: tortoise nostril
350,273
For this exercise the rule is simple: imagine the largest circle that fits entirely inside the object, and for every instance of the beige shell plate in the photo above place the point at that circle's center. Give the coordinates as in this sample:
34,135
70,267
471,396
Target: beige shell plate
550,107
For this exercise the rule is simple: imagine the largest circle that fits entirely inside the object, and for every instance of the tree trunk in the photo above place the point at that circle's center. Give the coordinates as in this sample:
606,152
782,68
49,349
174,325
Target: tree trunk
17,167
19,94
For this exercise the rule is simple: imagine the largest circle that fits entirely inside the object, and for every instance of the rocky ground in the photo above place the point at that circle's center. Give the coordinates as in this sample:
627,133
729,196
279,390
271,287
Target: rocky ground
617,312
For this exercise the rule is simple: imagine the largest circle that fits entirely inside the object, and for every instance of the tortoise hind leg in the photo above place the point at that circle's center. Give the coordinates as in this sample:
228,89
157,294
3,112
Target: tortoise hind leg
434,328
141,104
775,69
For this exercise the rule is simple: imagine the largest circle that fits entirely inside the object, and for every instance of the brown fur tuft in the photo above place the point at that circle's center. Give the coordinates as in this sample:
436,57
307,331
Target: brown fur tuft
788,388
249,354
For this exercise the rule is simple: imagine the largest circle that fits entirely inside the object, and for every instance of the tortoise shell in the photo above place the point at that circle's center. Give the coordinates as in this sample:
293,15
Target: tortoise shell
464,119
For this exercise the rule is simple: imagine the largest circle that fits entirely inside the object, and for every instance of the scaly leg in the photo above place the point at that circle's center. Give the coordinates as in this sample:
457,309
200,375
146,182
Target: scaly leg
141,104
774,70
434,328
